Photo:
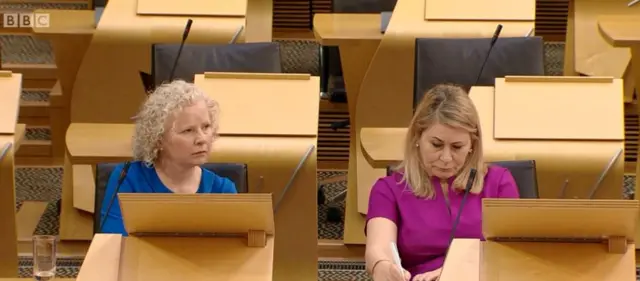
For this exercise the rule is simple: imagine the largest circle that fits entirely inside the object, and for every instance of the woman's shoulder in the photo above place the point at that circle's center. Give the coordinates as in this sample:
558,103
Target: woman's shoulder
128,167
392,183
494,174
217,183
494,170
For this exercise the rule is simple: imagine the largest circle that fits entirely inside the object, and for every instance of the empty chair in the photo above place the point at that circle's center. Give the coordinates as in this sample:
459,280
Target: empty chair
197,59
236,172
458,61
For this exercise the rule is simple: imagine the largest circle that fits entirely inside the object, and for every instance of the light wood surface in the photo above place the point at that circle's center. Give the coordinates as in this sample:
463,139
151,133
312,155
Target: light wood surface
18,137
272,159
540,245
11,135
112,257
8,231
84,188
463,253
479,10
341,29
587,52
544,108
108,89
619,31
10,89
358,38
235,8
291,117
565,221
196,213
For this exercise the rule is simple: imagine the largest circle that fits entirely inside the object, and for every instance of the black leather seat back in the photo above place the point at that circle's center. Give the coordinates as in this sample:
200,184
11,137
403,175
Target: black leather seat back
198,59
363,6
103,173
236,172
458,61
524,173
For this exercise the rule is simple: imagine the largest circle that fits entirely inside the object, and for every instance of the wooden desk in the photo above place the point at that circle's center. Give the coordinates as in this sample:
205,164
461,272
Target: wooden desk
8,231
10,136
10,89
587,52
622,32
108,88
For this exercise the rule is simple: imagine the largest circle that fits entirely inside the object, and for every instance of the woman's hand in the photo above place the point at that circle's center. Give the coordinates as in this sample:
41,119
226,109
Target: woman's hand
388,271
428,276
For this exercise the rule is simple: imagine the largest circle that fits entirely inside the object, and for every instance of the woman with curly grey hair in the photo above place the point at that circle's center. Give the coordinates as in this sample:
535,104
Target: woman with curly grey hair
174,131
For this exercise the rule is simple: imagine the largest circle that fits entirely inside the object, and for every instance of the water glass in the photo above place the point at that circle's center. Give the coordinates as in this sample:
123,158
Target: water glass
44,257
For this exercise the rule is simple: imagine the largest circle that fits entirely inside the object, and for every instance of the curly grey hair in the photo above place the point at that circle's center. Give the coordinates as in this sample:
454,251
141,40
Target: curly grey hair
165,101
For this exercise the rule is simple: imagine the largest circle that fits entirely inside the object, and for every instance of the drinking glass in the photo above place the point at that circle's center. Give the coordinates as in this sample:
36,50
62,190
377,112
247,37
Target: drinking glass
44,257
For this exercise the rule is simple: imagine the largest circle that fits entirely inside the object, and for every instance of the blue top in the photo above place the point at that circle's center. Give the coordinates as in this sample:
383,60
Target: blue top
143,179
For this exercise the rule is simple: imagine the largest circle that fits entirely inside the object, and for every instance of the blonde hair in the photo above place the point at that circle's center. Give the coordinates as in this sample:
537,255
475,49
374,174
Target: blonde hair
451,106
165,101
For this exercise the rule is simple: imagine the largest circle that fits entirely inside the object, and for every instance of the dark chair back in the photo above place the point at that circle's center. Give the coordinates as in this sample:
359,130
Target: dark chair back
236,172
363,6
198,59
458,61
524,173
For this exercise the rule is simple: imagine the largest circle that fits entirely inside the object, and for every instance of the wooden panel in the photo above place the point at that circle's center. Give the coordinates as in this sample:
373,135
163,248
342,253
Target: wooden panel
631,125
333,145
551,19
295,15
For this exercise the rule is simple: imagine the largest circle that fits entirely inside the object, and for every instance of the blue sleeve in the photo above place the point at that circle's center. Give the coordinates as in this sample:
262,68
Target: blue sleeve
223,185
114,223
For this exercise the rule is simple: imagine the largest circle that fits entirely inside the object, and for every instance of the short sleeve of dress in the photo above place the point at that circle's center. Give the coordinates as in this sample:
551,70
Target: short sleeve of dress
382,202
507,188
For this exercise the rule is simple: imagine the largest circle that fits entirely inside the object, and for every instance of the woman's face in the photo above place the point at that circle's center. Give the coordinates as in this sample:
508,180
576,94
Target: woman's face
188,136
444,150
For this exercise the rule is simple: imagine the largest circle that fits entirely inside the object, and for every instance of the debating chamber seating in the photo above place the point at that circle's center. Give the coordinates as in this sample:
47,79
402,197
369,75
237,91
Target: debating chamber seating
315,97
236,172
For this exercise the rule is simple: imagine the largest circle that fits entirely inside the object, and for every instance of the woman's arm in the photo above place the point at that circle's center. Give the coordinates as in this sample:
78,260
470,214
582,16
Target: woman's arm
507,187
381,233
381,228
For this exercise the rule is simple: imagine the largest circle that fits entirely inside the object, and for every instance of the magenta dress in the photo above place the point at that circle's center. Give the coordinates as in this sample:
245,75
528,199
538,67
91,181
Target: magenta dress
424,226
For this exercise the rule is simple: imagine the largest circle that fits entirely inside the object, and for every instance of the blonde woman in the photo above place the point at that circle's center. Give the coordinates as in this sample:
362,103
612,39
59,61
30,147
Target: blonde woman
415,207
173,134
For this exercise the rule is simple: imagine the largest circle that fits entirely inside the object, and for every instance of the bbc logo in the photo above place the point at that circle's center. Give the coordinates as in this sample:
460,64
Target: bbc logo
25,20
